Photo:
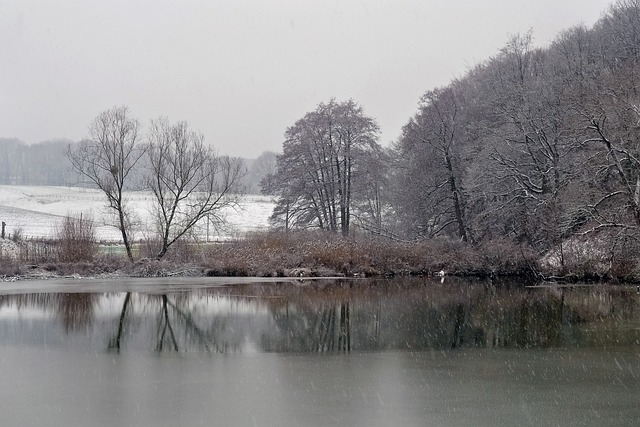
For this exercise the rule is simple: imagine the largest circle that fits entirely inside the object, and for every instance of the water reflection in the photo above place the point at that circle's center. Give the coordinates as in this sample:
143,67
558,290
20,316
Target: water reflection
329,317
322,353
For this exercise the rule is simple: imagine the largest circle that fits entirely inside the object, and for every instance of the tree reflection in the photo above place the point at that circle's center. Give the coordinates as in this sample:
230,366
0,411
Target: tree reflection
439,316
192,331
332,326
114,343
339,317
344,339
164,324
175,329
74,310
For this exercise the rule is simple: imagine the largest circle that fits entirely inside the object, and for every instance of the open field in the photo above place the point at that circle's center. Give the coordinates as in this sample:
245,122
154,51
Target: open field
37,210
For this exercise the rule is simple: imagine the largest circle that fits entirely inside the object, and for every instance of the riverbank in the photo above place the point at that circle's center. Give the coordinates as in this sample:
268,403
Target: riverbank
314,254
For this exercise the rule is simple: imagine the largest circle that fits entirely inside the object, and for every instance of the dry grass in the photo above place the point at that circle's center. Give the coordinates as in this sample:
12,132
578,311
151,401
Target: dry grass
309,253
74,242
276,254
182,251
9,265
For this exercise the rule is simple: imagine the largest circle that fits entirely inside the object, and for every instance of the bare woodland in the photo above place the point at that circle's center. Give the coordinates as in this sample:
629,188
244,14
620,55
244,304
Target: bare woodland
535,145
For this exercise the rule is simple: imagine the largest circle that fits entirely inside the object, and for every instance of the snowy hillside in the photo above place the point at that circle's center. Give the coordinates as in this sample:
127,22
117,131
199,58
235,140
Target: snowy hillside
37,210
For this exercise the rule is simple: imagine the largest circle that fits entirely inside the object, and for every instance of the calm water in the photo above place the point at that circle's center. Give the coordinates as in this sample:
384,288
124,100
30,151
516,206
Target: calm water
363,352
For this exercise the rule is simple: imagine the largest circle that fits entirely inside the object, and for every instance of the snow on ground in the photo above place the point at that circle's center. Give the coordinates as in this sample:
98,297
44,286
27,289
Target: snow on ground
36,211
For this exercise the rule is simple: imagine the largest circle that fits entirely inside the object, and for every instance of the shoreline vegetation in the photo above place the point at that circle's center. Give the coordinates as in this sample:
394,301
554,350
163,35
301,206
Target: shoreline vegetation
314,254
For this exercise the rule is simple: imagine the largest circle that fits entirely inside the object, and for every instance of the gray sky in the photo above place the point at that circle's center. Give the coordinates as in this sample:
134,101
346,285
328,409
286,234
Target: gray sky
241,71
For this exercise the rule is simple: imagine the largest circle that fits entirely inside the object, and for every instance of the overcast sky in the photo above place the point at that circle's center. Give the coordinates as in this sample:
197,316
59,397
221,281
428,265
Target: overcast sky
242,71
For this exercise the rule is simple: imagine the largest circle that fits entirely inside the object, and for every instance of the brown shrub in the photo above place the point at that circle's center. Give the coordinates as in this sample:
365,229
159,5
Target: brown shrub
76,239
9,265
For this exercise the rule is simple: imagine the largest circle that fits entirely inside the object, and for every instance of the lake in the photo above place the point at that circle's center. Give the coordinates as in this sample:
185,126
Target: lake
369,352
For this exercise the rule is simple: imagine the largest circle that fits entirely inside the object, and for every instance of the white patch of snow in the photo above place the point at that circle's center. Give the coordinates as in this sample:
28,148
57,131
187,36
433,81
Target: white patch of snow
37,210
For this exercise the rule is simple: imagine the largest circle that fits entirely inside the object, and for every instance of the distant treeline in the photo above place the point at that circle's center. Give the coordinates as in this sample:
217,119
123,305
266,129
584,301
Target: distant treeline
46,163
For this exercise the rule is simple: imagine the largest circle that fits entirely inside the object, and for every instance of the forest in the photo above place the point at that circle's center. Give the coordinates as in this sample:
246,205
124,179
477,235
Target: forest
538,146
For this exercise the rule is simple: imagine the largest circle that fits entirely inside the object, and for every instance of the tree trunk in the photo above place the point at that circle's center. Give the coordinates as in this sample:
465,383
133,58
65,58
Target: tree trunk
457,202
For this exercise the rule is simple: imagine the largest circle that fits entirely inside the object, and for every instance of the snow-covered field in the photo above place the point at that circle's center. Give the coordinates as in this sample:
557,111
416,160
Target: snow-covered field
37,210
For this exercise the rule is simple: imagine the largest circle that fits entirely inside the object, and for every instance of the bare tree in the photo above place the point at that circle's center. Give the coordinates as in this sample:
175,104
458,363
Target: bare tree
430,179
607,113
189,181
323,157
108,160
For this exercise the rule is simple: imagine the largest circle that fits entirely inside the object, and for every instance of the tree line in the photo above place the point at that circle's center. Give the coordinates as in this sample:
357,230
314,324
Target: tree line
538,145
46,163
